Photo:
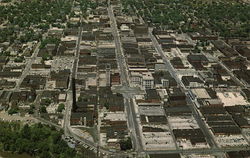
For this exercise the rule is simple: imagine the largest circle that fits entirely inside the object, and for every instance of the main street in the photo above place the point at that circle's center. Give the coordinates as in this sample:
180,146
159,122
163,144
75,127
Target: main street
129,105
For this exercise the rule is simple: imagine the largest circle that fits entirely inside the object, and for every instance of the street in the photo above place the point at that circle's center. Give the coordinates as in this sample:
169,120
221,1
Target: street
130,107
27,68
192,104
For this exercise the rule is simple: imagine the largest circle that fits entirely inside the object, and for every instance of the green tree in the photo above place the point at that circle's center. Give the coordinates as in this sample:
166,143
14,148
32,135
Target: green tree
31,109
13,110
37,140
126,144
26,131
106,105
45,154
42,109
61,107
46,101
19,59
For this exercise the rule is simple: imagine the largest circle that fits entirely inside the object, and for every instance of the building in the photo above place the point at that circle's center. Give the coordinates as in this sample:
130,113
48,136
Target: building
144,80
191,81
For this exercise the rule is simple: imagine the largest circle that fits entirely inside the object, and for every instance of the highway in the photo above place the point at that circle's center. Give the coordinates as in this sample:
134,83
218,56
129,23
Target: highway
129,105
193,104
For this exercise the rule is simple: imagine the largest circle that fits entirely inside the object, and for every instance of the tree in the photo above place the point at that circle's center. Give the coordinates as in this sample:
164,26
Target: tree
37,140
56,137
13,110
126,144
46,101
31,109
43,109
49,40
106,105
26,131
19,59
6,1
61,107
43,26
45,154
47,56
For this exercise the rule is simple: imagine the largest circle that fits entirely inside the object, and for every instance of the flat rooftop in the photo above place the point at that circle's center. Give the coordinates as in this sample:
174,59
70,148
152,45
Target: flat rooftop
231,98
201,93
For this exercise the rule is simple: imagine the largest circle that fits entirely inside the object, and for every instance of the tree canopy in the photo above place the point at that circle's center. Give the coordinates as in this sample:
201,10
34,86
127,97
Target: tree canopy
36,140
229,18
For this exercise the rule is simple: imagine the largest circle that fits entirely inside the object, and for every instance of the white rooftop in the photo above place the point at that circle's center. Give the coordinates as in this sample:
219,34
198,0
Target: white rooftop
231,98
